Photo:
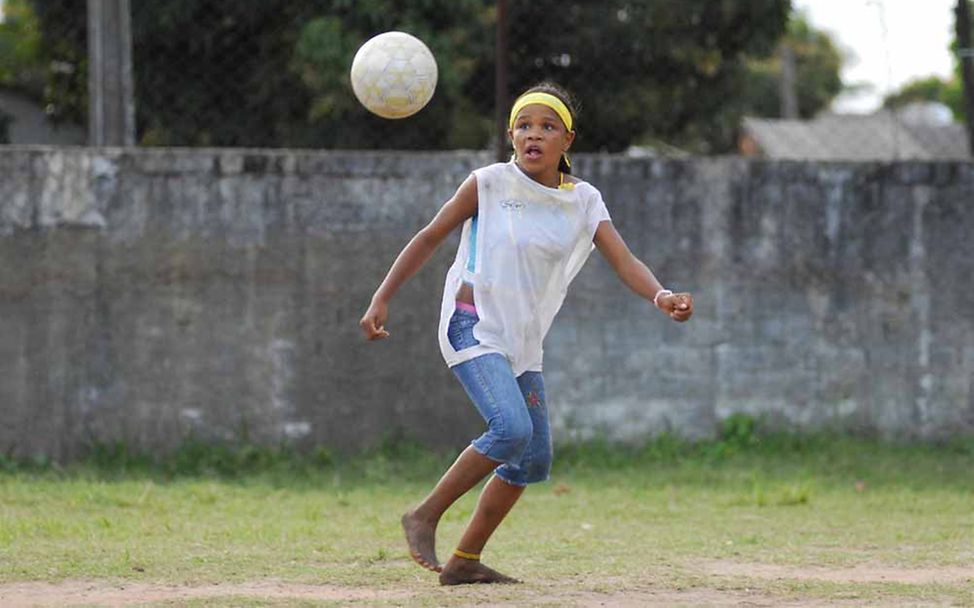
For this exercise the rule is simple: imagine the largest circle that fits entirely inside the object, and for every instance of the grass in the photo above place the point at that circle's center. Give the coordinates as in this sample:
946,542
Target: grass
614,522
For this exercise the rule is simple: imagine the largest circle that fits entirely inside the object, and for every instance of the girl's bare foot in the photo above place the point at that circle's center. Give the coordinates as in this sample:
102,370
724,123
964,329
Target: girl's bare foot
421,538
466,571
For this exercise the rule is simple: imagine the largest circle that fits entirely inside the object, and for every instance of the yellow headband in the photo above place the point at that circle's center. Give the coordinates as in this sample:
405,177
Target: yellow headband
545,99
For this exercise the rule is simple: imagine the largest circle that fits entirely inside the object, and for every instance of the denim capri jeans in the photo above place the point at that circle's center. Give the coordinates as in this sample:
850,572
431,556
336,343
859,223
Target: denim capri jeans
518,433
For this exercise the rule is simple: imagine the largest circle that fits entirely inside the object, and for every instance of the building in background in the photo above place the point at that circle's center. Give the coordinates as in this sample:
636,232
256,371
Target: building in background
913,132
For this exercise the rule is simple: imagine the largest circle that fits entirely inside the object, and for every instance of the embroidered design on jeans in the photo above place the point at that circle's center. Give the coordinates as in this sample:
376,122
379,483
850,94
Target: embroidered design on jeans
533,399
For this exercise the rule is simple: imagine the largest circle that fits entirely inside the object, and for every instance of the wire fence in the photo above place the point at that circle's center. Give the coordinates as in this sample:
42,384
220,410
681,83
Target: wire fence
43,55
276,73
651,77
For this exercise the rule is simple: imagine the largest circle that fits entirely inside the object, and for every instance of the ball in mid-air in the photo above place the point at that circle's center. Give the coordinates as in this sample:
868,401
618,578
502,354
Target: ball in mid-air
394,75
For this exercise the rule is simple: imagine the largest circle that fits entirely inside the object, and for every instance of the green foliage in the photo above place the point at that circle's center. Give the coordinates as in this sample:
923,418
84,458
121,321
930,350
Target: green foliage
933,88
953,98
193,458
327,43
63,52
217,73
21,59
239,460
654,68
274,73
818,63
739,431
740,439
953,92
320,57
738,434
949,92
923,89
744,441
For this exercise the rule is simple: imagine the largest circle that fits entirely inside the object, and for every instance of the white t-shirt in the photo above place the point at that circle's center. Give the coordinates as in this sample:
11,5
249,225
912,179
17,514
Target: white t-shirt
520,253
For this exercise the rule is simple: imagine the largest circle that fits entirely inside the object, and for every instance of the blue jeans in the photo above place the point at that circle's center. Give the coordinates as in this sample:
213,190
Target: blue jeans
518,434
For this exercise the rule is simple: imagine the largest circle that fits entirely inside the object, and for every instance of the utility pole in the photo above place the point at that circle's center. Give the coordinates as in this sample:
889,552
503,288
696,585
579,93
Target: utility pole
965,51
788,83
500,81
111,99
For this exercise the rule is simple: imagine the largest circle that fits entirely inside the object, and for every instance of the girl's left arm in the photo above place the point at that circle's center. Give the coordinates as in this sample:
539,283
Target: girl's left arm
637,276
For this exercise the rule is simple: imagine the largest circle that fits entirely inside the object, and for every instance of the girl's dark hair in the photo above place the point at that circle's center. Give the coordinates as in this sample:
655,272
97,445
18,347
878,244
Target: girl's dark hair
570,102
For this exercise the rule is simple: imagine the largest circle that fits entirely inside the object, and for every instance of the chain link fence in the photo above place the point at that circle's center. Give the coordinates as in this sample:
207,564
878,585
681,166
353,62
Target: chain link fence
651,77
43,78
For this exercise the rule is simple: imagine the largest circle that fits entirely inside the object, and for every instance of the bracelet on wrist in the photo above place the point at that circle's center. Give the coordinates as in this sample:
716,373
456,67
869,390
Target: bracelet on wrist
661,292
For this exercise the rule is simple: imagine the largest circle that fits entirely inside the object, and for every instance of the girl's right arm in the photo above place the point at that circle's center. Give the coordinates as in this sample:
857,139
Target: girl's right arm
457,210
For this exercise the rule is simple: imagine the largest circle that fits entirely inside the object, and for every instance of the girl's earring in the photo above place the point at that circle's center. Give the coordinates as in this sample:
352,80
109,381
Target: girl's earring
568,163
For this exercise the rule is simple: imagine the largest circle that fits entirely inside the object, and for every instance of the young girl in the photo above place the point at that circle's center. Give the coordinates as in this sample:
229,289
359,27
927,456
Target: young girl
528,226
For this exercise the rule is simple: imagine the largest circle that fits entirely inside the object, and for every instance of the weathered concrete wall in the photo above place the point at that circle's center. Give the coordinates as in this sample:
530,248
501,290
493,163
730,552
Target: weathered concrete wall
149,295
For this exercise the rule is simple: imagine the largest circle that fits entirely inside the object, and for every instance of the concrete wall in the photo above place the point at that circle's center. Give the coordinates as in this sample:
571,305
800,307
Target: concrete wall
150,295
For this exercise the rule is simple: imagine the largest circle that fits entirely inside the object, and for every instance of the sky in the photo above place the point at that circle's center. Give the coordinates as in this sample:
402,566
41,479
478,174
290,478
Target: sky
915,44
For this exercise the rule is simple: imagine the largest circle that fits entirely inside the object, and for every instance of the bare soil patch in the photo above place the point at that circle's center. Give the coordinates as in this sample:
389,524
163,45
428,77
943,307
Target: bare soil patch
103,593
100,593
859,573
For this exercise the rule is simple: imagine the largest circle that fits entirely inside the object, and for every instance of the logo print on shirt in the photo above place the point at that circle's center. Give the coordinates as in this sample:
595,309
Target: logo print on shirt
512,205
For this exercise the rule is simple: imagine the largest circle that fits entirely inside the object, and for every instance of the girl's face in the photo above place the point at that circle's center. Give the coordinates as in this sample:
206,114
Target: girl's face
540,138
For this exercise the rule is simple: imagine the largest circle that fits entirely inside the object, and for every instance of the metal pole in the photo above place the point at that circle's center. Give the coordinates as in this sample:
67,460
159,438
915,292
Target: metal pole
500,81
966,56
111,107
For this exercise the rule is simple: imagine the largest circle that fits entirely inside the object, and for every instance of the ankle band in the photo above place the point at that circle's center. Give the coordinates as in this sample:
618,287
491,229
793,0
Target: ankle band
463,554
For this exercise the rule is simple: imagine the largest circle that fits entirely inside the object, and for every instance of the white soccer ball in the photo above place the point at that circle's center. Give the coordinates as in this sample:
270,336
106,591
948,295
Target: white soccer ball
394,75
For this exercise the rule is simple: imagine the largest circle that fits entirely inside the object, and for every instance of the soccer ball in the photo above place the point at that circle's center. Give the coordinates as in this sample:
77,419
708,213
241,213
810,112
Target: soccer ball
394,75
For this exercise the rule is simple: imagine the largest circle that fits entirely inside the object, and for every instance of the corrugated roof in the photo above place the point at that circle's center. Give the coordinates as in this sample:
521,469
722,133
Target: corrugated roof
879,136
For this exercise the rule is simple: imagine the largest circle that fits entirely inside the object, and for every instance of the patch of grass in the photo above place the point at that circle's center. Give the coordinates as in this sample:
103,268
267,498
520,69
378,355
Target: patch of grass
237,461
630,518
743,451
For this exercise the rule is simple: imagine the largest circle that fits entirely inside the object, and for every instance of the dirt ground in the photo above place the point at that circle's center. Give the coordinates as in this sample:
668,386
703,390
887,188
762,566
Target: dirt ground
729,589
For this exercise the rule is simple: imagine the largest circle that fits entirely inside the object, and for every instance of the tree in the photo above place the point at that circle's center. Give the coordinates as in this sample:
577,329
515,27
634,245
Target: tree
964,68
63,53
948,91
639,67
931,88
216,72
21,68
275,72
652,68
455,32
21,62
818,63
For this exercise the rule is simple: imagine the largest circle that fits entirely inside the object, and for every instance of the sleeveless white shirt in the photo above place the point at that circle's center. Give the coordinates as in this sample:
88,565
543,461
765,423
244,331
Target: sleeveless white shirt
520,253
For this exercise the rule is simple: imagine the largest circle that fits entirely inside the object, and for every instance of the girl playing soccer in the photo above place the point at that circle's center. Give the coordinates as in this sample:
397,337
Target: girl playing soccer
528,226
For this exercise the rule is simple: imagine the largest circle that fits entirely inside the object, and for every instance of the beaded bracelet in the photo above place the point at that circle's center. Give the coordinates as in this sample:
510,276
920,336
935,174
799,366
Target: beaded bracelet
463,554
661,292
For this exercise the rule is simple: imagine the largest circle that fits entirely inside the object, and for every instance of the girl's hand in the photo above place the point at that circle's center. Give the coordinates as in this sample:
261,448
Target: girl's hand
678,306
373,323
